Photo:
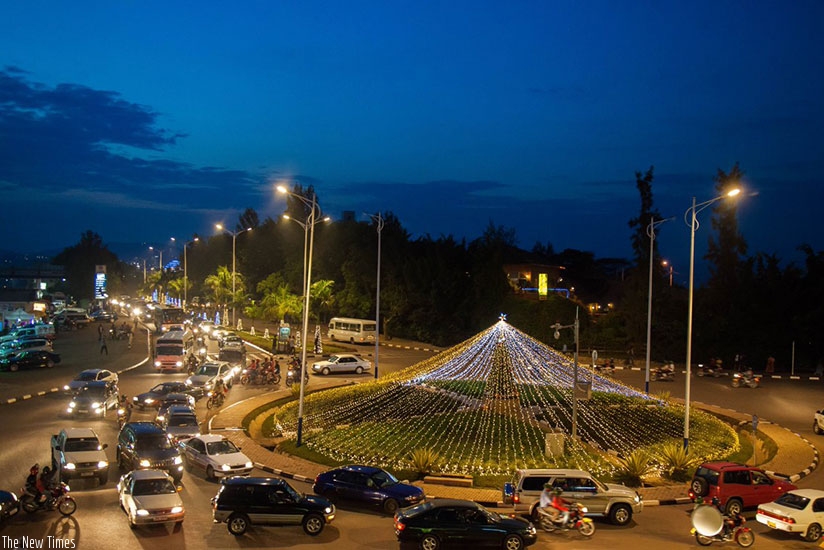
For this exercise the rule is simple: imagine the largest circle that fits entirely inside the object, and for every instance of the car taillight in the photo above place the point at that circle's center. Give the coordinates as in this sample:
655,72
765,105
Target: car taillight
780,517
399,525
516,498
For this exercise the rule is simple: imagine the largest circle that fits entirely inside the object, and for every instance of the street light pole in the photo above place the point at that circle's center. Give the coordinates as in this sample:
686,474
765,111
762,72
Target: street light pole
651,234
379,224
186,273
693,223
234,235
575,326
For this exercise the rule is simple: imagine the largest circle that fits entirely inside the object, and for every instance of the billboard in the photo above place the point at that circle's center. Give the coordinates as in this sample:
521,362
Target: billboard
543,287
100,292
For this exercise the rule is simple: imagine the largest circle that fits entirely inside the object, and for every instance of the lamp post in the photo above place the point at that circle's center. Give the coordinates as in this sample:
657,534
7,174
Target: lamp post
234,235
379,225
310,228
305,226
575,326
186,272
651,234
693,224
666,263
160,263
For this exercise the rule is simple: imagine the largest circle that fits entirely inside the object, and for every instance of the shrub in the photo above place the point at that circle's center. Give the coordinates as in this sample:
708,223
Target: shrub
634,468
424,460
676,461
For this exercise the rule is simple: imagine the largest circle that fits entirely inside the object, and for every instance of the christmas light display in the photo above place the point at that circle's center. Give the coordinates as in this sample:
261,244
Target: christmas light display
486,407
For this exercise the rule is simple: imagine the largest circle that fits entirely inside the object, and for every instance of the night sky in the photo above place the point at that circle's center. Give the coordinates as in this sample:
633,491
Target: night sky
149,120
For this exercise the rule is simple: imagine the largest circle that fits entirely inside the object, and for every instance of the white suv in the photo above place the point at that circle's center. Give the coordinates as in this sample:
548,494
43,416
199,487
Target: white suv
616,502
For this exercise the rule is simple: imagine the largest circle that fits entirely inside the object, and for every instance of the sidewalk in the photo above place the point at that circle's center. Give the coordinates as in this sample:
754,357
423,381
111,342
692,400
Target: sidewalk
796,456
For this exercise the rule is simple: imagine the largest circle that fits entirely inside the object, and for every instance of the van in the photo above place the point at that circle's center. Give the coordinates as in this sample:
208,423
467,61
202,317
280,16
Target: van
174,350
14,347
28,332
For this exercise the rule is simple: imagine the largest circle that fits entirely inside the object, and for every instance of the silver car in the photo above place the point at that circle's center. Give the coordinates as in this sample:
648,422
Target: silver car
150,497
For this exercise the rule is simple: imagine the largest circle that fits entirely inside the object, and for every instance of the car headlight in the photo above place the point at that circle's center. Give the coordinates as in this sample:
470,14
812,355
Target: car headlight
177,509
160,418
188,382
225,467
531,530
142,512
95,405
72,405
135,399
209,384
249,464
637,498
144,463
157,363
584,510
149,400
66,387
178,460
327,510
69,466
103,464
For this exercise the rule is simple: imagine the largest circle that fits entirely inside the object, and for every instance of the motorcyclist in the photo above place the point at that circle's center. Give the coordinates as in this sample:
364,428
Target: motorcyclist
561,505
731,521
553,505
44,482
32,483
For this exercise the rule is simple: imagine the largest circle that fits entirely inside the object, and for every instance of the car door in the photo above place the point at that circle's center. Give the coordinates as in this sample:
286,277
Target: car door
127,491
345,364
763,489
481,531
367,490
345,485
817,510
282,508
737,484
451,526
585,491
195,451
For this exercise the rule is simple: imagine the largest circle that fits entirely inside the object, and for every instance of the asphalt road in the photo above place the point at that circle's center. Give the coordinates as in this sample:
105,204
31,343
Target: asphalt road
26,426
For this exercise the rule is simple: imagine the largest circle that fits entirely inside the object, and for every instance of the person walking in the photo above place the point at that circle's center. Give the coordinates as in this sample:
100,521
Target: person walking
770,368
130,335
103,346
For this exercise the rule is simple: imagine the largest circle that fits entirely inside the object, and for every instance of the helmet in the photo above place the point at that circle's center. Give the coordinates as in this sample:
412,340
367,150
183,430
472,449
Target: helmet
557,491
46,471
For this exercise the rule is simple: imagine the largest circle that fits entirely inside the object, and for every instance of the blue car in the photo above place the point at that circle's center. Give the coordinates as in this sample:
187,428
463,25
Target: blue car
367,485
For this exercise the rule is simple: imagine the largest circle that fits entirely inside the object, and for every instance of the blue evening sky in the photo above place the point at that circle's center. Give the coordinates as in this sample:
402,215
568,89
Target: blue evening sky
145,120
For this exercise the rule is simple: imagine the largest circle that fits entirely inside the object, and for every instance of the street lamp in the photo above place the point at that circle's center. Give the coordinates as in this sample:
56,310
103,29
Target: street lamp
666,263
379,221
307,260
305,227
160,264
186,272
651,234
693,224
575,326
234,235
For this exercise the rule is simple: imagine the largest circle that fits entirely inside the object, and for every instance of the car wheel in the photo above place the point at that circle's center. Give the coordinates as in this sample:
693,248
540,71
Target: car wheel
513,542
813,533
210,473
237,524
733,507
430,542
312,525
700,486
13,367
620,514
50,364
390,506
359,370
325,371
816,428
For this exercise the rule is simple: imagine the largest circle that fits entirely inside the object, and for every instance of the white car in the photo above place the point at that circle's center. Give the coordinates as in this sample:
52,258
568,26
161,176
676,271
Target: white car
818,422
216,456
342,363
203,380
799,511
149,497
90,375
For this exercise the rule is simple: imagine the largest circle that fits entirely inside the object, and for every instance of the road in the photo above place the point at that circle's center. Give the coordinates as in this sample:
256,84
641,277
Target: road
98,523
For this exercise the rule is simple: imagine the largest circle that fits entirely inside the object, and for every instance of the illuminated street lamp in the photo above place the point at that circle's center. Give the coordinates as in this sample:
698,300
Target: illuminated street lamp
305,227
185,271
693,224
234,235
309,227
666,263
651,234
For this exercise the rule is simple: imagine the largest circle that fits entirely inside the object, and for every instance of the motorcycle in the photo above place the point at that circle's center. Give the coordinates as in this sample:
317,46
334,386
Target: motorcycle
56,498
9,505
715,372
605,368
664,374
576,521
293,375
747,379
215,400
710,525
124,413
259,377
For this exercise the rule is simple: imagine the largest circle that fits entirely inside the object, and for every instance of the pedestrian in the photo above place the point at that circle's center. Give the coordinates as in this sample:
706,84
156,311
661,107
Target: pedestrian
130,339
770,368
99,332
103,346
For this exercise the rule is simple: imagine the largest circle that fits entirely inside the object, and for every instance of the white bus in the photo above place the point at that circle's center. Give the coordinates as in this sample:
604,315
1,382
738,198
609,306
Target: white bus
354,331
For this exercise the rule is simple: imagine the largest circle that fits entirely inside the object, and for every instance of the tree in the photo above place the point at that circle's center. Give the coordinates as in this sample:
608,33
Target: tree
79,263
322,297
219,285
179,286
249,219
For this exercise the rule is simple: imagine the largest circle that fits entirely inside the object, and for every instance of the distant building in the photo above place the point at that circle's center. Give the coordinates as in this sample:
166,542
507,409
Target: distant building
536,280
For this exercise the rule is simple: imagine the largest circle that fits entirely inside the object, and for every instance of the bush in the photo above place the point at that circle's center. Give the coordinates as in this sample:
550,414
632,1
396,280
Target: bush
677,462
424,460
634,468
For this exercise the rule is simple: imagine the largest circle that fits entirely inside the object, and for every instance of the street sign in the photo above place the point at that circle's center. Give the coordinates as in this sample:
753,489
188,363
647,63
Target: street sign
594,357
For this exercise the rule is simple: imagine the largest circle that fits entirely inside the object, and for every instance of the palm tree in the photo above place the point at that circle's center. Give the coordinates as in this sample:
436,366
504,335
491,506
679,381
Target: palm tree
219,285
154,282
178,285
322,298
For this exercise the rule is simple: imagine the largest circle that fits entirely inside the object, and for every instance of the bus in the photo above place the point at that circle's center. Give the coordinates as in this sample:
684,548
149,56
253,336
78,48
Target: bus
354,331
166,318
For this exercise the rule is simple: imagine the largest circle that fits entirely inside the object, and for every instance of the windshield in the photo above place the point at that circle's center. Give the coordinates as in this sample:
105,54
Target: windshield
229,355
183,420
208,370
81,445
153,442
92,393
384,479
86,376
166,349
792,500
221,447
153,487
294,494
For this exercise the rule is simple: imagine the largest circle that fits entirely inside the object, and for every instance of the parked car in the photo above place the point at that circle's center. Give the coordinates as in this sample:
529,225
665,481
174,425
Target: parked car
818,422
367,485
204,378
342,363
736,486
149,497
94,399
173,400
144,446
215,456
243,501
461,523
616,502
103,315
180,422
798,511
10,349
90,375
30,359
154,397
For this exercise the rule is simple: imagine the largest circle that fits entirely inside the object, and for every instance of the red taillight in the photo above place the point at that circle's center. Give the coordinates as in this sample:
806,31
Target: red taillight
516,499
399,525
779,517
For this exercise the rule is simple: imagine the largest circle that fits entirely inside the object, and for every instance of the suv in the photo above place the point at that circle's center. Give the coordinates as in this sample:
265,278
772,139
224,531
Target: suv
736,486
616,502
242,500
144,446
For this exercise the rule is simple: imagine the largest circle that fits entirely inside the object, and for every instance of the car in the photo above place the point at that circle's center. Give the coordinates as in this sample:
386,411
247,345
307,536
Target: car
243,501
461,523
94,399
204,378
215,456
799,511
145,446
103,315
818,422
150,497
180,422
342,363
154,397
218,334
206,327
616,502
10,349
30,359
367,485
173,400
90,375
231,339
736,486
